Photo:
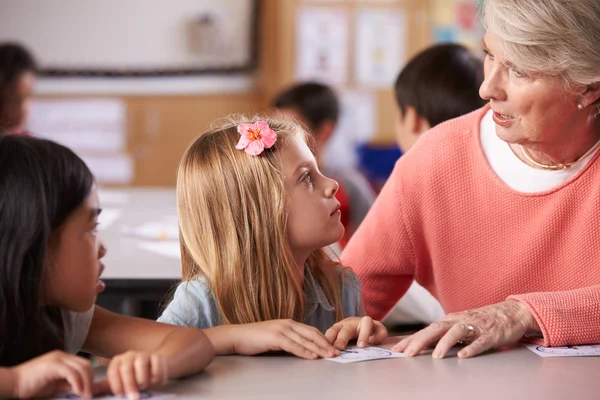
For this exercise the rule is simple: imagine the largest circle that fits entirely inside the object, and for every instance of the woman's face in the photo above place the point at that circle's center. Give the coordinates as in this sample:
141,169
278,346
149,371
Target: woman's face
528,110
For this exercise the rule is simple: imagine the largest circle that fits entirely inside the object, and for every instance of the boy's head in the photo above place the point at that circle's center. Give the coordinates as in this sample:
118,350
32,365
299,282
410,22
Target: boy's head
438,84
17,79
315,105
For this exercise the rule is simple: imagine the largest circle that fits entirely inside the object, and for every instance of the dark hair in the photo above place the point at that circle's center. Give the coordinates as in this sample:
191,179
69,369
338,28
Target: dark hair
15,60
41,184
316,103
441,83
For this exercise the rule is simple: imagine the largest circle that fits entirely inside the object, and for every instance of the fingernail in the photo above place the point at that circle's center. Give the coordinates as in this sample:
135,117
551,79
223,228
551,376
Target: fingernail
362,343
436,354
315,355
462,353
133,396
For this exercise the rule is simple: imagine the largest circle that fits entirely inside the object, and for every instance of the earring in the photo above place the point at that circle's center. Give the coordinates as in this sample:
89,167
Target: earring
580,106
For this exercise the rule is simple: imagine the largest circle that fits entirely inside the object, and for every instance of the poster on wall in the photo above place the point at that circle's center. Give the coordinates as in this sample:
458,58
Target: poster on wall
357,125
457,21
322,45
380,46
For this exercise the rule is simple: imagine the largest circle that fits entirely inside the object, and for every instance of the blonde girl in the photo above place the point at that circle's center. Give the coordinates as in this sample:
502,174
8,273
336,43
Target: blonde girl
254,214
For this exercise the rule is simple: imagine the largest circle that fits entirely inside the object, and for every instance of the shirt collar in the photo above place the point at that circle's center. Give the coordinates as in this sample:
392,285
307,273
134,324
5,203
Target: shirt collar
314,293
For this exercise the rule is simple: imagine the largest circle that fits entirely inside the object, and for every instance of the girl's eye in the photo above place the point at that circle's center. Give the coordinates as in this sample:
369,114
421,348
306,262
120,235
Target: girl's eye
307,178
487,54
95,228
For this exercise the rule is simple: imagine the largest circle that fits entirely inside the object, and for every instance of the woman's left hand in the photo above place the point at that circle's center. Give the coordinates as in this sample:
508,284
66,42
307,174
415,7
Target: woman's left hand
480,329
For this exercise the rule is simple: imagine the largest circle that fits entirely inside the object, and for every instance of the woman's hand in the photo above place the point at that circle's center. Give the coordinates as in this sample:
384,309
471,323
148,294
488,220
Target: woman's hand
133,371
364,329
481,329
53,373
277,335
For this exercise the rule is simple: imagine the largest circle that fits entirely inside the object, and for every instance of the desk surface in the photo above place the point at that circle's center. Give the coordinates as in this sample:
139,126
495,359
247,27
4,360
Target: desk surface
515,373
124,260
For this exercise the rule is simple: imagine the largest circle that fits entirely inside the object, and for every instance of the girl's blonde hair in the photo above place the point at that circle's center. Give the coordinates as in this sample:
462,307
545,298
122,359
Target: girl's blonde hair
233,218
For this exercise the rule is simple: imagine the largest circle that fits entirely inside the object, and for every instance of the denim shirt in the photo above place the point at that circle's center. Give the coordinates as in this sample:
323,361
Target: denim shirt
194,304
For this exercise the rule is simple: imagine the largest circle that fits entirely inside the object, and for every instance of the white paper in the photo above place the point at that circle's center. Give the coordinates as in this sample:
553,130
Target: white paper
143,395
380,46
108,217
167,228
118,168
356,354
567,351
169,249
322,45
357,125
82,125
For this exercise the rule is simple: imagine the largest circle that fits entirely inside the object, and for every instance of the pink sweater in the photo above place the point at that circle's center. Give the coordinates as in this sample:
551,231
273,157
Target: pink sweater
446,219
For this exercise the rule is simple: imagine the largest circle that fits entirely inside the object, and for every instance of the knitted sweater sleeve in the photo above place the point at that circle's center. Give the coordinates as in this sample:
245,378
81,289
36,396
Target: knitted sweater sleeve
380,251
566,317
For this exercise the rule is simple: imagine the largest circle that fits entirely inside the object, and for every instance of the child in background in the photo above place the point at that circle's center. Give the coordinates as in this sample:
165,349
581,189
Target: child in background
254,213
50,266
438,84
317,107
17,79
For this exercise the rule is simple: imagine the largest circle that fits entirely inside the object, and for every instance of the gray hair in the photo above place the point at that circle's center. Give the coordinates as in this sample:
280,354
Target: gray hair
558,38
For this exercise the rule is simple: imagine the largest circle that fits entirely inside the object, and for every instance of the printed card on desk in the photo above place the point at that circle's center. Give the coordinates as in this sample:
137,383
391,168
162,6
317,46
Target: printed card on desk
143,395
356,354
567,351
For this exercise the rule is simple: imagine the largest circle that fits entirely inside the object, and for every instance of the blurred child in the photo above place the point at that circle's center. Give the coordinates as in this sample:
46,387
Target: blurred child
18,71
438,84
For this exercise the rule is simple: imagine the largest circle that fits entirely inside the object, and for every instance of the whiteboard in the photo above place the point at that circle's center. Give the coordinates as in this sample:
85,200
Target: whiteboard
134,37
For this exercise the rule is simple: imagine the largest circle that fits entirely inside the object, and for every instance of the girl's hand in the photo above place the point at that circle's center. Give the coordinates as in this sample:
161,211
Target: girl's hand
52,373
131,372
281,335
364,329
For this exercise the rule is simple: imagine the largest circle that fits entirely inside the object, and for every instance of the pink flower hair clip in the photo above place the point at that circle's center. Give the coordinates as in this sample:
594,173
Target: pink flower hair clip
256,137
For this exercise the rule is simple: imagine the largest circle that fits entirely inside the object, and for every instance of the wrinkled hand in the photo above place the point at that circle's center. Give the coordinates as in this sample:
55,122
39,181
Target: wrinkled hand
364,329
282,335
133,371
494,326
53,373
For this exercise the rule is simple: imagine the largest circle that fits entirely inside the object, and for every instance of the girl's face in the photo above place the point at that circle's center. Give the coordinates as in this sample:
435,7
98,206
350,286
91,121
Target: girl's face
313,211
74,259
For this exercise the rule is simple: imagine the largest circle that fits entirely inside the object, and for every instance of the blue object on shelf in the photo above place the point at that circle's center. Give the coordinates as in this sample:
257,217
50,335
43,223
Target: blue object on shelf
377,162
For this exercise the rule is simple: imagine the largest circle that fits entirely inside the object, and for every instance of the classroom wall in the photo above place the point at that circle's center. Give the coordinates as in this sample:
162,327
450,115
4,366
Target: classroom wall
161,123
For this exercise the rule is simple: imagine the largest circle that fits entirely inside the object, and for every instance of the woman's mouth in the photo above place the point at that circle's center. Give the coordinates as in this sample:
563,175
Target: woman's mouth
503,119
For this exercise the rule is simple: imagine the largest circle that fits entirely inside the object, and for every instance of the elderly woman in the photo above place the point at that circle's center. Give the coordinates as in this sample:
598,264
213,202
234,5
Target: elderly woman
497,213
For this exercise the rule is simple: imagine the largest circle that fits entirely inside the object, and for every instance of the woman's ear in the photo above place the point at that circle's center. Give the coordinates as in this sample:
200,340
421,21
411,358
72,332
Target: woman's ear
591,95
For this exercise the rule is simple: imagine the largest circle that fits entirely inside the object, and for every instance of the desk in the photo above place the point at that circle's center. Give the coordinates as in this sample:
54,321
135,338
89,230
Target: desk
124,260
515,373
133,275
